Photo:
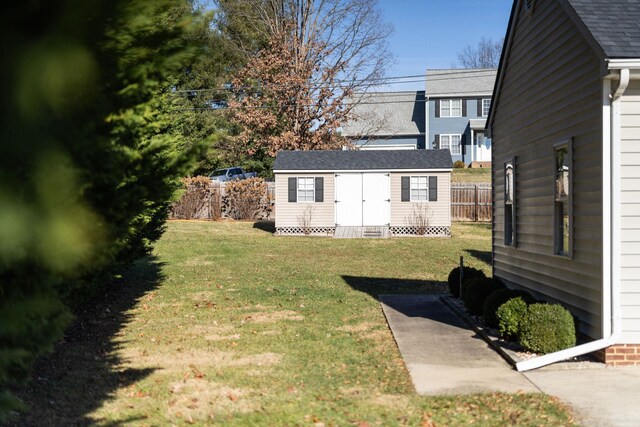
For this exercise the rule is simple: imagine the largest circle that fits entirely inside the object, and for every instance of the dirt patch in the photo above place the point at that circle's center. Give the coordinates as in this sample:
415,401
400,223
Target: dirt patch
173,360
273,316
360,327
200,400
203,295
390,400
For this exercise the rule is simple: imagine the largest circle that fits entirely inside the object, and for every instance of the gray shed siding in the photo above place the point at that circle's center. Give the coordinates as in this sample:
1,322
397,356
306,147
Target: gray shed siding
454,125
288,213
551,92
630,262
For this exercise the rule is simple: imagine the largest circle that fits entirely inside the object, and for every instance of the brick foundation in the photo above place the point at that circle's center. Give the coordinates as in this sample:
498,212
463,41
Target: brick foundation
620,355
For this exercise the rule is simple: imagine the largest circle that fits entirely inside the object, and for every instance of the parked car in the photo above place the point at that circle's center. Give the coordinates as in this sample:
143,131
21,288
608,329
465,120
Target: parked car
230,174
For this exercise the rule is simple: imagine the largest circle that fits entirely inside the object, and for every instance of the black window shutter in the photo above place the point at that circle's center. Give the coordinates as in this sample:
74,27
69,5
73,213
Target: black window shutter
463,143
405,189
437,112
293,189
433,188
464,108
479,101
319,189
436,142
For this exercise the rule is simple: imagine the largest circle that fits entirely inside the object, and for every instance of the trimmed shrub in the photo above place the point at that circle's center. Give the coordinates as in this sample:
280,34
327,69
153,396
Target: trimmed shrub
477,290
510,317
547,328
454,278
459,164
499,297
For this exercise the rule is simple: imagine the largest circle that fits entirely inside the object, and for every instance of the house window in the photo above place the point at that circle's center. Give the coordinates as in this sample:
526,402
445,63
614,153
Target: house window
306,189
509,203
419,188
486,106
451,108
563,211
451,143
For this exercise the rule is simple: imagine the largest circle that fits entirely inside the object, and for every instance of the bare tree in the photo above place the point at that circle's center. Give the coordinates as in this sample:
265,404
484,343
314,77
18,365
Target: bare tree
319,52
485,55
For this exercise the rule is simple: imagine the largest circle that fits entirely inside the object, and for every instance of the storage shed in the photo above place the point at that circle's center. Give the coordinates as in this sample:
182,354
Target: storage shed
363,193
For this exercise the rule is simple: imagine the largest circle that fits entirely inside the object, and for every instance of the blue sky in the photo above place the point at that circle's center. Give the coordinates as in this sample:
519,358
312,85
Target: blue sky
430,33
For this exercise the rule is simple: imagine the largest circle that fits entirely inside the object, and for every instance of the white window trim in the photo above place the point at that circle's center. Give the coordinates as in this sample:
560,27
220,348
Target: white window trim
488,108
313,189
411,188
509,240
448,136
568,144
449,109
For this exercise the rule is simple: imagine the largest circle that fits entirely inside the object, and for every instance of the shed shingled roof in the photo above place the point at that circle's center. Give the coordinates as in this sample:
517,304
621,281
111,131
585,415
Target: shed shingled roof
614,24
362,160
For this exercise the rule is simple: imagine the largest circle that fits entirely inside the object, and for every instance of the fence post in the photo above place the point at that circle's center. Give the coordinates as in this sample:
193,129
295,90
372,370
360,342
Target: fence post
475,199
461,274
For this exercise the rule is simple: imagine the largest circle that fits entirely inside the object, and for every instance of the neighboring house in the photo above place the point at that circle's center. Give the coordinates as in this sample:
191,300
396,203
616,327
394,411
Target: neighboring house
387,121
400,191
458,103
565,125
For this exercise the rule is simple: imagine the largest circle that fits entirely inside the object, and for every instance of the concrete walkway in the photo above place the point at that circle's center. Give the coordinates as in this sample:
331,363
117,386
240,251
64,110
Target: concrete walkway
444,356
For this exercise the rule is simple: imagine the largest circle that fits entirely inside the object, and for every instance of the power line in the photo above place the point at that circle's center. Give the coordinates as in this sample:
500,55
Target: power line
281,105
381,81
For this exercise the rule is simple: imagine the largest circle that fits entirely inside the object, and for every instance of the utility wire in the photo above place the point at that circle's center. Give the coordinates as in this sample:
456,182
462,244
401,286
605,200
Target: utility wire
381,81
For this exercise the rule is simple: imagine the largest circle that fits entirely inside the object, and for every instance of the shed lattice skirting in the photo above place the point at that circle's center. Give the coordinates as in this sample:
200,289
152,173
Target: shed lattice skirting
415,231
306,231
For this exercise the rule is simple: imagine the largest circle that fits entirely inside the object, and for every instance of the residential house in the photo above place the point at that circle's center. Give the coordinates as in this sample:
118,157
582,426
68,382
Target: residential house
458,103
387,121
396,192
565,127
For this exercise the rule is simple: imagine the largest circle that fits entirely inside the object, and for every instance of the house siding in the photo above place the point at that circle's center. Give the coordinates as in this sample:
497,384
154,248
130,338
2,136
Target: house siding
373,143
454,125
287,213
439,212
551,92
630,187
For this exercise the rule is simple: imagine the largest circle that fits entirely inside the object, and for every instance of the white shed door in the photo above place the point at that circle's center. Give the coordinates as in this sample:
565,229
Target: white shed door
375,199
349,199
362,199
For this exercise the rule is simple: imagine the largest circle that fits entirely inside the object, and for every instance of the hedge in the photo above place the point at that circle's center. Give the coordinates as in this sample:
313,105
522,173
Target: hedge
454,278
547,328
477,290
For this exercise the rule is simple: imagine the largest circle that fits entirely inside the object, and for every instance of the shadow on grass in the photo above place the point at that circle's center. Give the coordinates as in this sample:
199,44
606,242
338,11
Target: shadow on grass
421,299
484,256
375,286
265,225
84,369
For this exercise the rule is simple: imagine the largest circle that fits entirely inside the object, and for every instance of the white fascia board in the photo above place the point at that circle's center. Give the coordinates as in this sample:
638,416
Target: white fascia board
361,170
618,64
460,95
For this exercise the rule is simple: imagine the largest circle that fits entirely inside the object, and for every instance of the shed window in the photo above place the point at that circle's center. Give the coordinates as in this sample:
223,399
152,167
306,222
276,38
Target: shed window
486,105
306,189
451,108
419,188
563,212
451,143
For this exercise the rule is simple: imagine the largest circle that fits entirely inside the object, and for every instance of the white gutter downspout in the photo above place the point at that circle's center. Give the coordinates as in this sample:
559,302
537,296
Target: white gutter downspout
611,317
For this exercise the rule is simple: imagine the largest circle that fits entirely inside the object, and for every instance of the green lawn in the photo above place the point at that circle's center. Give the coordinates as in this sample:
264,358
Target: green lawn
229,325
471,175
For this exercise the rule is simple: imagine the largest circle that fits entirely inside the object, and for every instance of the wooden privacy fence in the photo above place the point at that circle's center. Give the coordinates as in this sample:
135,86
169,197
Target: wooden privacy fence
470,202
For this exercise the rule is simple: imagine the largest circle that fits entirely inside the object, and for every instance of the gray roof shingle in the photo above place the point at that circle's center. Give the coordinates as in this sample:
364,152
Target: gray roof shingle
387,114
362,160
614,24
460,82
